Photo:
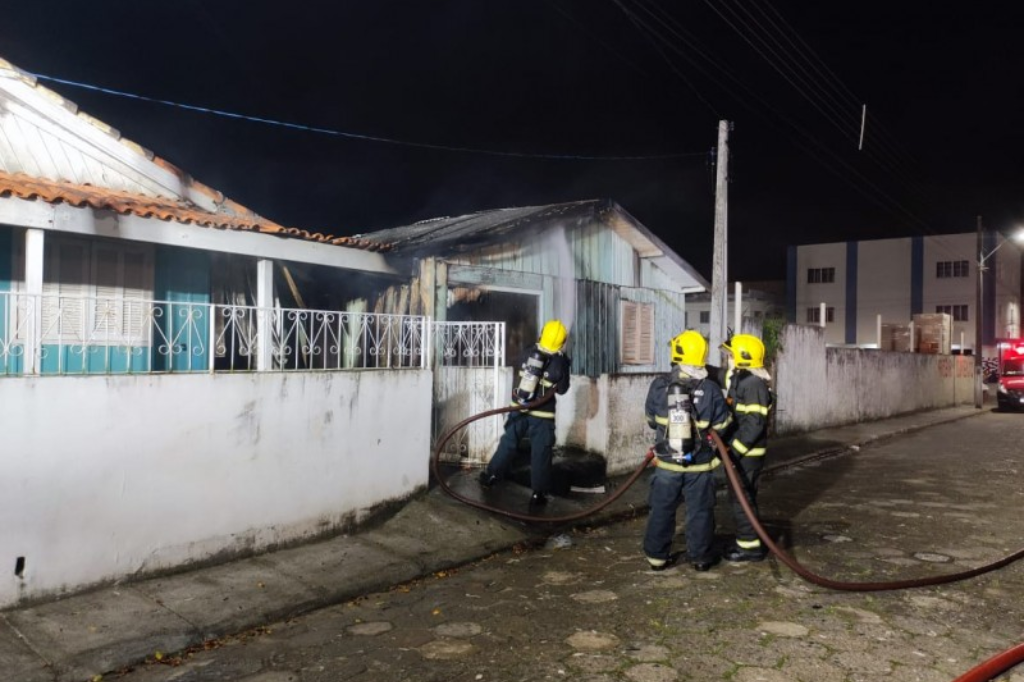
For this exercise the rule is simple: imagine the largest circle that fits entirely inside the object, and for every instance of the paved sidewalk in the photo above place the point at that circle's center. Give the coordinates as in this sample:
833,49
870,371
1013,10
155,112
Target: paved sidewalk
79,637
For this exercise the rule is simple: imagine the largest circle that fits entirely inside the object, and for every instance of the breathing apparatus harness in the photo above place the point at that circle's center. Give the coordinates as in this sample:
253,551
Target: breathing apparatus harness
683,437
679,430
530,374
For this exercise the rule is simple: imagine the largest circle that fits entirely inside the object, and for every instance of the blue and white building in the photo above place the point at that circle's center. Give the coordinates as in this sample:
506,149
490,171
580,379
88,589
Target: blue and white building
858,281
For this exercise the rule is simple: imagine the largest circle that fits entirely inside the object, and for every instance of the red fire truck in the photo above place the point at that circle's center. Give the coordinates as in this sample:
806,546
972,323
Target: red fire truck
1010,391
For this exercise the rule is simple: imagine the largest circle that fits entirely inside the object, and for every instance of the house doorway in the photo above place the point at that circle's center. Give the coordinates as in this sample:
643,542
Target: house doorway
519,311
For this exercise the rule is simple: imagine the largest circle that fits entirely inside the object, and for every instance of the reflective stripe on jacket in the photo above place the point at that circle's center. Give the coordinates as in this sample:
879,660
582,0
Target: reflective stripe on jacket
709,411
750,400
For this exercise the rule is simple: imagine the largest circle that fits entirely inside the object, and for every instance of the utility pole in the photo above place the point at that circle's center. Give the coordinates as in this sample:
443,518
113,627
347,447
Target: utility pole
719,279
979,325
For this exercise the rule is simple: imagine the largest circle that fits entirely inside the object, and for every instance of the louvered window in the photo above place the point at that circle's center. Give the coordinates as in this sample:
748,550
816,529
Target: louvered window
637,333
96,293
65,288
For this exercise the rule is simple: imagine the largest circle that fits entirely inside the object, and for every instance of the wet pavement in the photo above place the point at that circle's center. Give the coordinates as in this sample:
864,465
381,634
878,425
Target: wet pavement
577,602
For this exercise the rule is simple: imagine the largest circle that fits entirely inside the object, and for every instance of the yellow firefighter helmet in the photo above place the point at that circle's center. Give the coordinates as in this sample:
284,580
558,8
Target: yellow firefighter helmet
552,337
747,351
689,348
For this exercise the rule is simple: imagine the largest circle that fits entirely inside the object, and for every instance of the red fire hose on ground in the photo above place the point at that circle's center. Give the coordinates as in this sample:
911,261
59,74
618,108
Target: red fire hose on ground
435,468
981,673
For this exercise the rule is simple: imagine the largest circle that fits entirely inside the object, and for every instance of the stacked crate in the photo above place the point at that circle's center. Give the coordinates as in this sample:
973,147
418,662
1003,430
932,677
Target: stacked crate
933,333
895,337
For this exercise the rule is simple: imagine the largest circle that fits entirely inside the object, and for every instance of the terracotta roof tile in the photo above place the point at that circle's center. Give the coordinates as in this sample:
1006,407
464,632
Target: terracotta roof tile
26,187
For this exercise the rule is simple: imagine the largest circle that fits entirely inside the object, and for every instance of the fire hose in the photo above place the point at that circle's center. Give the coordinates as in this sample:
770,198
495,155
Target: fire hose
435,468
981,673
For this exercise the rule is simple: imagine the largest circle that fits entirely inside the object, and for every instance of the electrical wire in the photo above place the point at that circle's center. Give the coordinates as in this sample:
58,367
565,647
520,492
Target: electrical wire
682,76
791,69
807,142
360,136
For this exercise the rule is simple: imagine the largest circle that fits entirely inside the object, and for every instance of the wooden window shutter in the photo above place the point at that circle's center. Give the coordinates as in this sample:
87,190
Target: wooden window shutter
637,333
65,286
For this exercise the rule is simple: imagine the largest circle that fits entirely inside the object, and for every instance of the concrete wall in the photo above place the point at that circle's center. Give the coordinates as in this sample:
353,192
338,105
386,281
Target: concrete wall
606,415
106,477
818,387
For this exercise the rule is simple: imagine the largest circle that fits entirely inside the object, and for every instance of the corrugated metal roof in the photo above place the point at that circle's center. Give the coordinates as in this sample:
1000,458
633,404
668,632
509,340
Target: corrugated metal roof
445,236
467,232
24,187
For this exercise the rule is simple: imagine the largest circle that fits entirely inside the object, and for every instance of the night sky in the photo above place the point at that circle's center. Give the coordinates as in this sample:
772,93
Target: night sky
534,81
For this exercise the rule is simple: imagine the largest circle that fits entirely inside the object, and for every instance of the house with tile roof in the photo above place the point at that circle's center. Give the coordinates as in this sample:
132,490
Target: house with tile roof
152,333
169,357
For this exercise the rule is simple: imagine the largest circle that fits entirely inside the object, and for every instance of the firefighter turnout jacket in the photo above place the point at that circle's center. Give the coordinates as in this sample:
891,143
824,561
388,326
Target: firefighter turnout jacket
750,399
555,372
709,412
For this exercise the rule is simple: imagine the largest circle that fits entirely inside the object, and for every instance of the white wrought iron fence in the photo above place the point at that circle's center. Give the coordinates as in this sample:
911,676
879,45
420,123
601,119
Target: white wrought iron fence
53,334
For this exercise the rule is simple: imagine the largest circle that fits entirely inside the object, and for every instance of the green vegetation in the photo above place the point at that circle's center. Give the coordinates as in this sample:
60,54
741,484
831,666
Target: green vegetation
771,335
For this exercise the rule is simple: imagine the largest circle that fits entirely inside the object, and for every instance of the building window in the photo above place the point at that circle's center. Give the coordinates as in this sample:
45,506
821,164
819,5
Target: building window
94,291
637,333
814,315
952,268
821,275
958,312
705,317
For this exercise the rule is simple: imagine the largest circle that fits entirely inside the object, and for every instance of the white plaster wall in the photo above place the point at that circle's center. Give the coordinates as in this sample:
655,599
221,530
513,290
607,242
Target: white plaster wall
832,294
883,285
818,387
1007,269
952,290
606,416
109,477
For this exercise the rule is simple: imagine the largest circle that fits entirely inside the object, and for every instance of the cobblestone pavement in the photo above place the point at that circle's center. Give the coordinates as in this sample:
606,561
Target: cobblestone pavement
586,608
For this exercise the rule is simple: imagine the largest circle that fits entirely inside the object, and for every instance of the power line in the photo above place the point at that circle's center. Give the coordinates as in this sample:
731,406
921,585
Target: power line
635,21
786,62
814,148
888,159
809,144
359,136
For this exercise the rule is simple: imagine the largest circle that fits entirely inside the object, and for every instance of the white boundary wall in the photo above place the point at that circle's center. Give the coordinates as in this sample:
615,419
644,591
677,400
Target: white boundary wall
819,387
106,477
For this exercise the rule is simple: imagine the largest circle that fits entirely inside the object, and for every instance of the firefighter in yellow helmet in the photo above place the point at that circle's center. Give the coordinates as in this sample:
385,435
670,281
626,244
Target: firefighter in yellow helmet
544,368
747,391
683,406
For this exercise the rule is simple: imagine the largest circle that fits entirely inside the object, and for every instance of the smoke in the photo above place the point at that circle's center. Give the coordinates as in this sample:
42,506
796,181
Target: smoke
556,244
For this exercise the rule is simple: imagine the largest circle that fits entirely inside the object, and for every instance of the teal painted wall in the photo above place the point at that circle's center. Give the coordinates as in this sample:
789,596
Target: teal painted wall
182,277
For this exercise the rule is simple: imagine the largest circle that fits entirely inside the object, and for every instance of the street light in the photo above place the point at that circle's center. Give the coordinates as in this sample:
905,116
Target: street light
979,326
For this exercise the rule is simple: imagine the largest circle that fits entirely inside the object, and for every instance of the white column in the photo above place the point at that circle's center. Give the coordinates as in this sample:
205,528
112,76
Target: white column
737,313
34,259
878,330
264,314
822,315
